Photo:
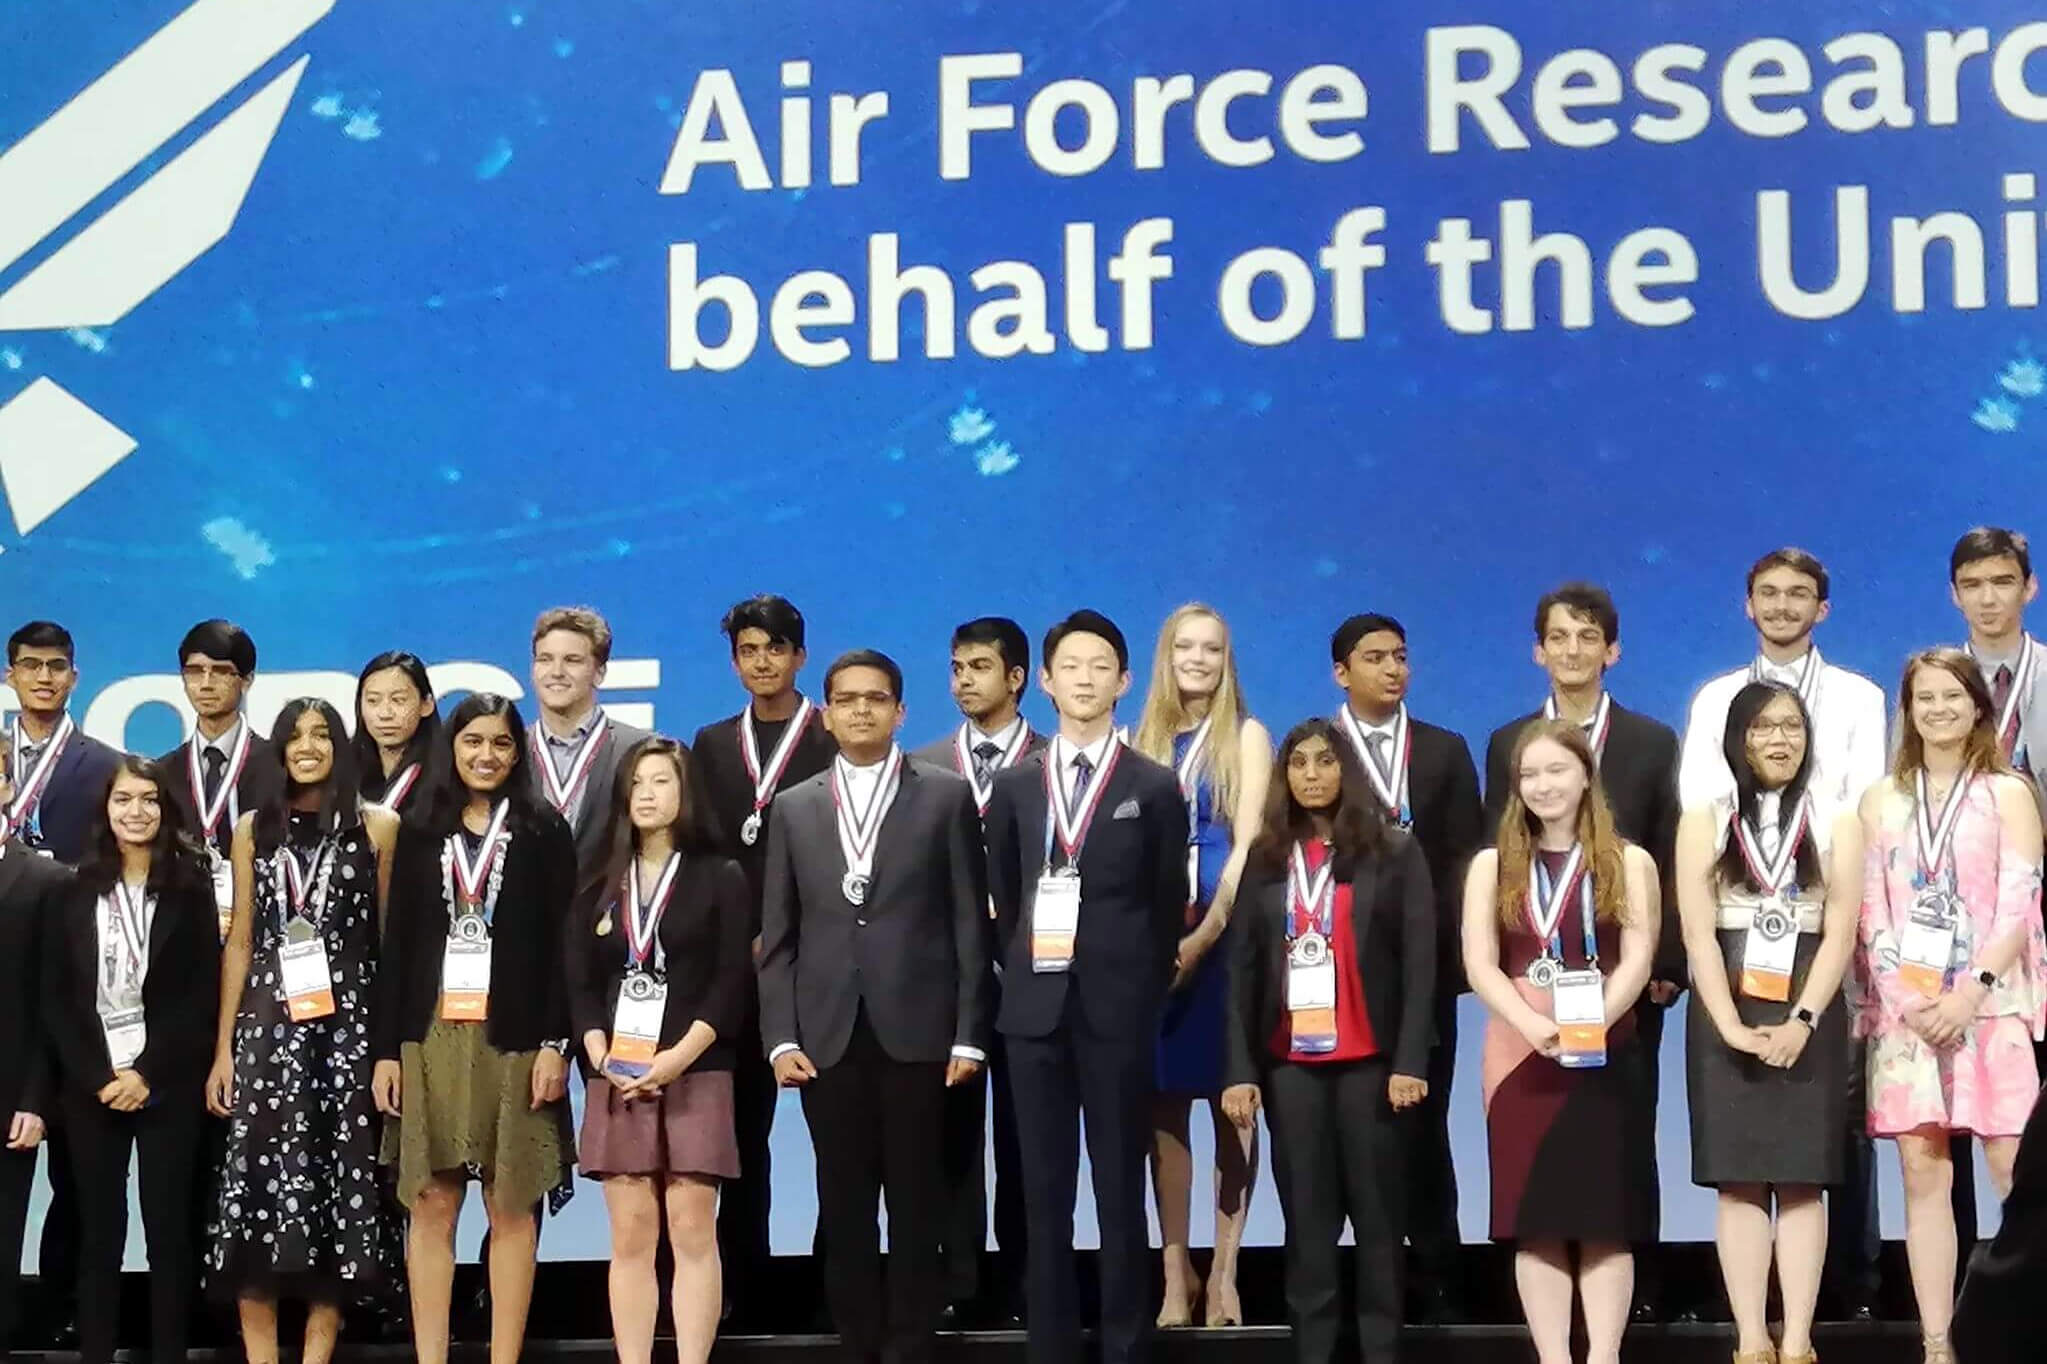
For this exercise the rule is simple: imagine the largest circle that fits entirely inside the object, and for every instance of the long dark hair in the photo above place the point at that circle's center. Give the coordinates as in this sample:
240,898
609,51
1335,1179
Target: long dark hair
340,794
1742,711
176,861
689,831
1357,824
440,812
369,761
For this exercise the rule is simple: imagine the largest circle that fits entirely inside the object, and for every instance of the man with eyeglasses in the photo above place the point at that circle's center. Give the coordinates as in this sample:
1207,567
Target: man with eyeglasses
1787,598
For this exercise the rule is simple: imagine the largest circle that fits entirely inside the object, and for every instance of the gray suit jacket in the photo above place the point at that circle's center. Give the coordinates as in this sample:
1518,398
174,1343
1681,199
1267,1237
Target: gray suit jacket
590,818
914,954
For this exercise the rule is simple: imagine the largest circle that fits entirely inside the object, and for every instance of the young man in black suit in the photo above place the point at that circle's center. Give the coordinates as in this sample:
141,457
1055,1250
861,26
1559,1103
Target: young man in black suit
1577,638
991,665
29,887
1426,783
744,761
59,777
226,767
1087,861
873,997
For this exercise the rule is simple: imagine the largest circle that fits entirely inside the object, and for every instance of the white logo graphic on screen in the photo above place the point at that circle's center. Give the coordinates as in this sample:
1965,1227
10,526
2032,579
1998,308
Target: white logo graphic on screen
52,445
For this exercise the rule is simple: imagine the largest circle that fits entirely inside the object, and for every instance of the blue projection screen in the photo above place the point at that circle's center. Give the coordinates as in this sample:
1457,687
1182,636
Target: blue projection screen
374,325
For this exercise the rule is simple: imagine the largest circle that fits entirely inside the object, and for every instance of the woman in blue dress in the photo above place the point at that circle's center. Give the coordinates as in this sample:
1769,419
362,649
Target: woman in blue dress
1195,721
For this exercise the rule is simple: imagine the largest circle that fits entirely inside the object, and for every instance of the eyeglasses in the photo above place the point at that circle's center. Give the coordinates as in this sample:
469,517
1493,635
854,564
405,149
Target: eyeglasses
857,700
1790,729
211,672
43,667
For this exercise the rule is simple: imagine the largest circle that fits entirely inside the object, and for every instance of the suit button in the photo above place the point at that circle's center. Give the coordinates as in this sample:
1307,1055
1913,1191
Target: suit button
861,922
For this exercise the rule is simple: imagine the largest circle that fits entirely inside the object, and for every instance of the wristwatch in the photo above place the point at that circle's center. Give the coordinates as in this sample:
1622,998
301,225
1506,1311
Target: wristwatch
558,1045
1807,1017
1987,979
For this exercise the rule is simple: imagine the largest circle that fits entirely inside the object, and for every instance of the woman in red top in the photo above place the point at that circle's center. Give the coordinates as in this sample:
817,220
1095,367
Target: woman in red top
1332,993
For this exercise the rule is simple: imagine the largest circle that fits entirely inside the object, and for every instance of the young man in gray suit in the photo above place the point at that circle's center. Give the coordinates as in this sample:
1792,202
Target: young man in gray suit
576,746
873,974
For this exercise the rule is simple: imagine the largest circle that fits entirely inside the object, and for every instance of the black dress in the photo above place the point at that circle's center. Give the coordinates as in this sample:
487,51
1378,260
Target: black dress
299,1213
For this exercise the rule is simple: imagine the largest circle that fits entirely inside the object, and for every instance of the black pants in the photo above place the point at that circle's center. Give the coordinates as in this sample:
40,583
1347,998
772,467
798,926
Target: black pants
967,1118
1854,1236
743,1202
1337,1154
1431,1170
1649,1256
878,1128
166,1138
59,1254
17,1176
1056,1080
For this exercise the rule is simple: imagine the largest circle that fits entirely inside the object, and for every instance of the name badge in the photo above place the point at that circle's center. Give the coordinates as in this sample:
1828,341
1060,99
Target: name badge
308,984
126,1036
1578,1004
1311,994
1055,918
1770,953
223,873
1928,944
465,981
636,1025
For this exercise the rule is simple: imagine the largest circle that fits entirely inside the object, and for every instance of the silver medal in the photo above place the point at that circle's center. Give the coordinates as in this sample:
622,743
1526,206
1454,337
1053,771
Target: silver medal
854,887
639,986
471,928
1310,949
750,831
1773,923
1542,972
299,929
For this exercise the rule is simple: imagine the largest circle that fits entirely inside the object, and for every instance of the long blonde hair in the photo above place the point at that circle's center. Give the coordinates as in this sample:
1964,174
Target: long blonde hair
1165,716
1981,751
1518,830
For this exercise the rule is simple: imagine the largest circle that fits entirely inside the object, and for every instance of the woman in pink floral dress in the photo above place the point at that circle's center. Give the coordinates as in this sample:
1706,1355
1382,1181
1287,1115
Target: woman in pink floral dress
1951,963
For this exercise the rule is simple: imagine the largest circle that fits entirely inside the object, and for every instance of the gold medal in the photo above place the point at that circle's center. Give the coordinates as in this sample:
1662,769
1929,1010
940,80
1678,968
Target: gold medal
604,925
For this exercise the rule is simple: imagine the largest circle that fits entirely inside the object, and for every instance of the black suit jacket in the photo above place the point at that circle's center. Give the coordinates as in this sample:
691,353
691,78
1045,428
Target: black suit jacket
1393,920
262,781
722,772
32,889
589,819
1133,874
180,992
1638,773
914,955
75,796
1450,824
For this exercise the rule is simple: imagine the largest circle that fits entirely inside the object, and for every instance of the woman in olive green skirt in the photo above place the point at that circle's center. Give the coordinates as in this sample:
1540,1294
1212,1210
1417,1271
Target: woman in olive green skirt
473,1021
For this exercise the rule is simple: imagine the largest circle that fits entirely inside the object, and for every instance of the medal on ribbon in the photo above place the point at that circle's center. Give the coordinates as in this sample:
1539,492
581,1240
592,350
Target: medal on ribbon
564,789
1547,903
210,811
26,813
1595,728
767,777
860,829
1389,783
963,758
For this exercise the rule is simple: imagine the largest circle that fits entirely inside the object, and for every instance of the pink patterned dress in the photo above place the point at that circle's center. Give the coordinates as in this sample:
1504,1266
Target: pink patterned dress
1986,1084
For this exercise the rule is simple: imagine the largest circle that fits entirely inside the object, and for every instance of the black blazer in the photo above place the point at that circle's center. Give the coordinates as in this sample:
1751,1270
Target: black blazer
1393,917
1638,773
180,992
72,800
730,791
1450,824
1133,873
707,954
941,753
261,782
914,955
528,980
32,889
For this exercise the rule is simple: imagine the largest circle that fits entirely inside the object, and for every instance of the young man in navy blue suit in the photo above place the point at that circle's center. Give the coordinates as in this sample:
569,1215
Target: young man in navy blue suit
1087,857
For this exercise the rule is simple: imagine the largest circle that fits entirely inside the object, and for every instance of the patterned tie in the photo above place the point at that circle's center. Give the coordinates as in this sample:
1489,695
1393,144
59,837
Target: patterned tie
213,765
985,757
2000,687
1083,773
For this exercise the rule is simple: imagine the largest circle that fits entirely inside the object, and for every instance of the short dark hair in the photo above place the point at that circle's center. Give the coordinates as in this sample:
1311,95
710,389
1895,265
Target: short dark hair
1086,622
1795,559
777,616
1356,628
221,639
1002,634
1581,599
1990,542
41,634
865,658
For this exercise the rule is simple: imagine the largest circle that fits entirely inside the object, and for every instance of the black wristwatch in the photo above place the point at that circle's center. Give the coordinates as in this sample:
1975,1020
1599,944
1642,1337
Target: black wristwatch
1987,979
558,1045
1807,1017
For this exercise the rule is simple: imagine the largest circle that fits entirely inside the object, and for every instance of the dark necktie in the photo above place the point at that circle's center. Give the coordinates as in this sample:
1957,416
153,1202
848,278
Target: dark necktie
1379,744
985,757
2000,686
1083,773
213,765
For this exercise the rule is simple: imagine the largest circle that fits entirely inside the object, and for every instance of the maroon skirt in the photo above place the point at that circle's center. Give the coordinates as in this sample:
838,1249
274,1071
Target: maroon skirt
685,1130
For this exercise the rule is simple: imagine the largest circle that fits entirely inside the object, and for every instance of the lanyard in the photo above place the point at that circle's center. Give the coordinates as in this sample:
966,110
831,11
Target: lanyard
565,788
1775,875
134,912
472,877
1072,822
1311,900
963,744
1808,684
1547,902
1935,837
1595,729
28,789
643,918
210,811
766,778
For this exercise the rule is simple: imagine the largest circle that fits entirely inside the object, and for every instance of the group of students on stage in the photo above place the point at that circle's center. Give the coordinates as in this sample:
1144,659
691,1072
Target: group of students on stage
322,981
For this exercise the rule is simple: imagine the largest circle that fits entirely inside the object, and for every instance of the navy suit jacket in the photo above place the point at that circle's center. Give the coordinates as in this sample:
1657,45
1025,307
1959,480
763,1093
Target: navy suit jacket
72,801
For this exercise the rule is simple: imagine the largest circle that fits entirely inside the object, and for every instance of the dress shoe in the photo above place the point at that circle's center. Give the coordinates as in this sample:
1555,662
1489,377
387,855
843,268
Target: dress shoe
1645,1313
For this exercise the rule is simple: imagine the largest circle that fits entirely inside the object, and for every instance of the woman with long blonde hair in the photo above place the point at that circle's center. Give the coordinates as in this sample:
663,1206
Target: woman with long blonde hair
1195,722
1560,928
1951,963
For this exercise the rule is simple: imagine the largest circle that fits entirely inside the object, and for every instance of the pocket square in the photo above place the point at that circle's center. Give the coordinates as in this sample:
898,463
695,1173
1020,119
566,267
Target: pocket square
1127,810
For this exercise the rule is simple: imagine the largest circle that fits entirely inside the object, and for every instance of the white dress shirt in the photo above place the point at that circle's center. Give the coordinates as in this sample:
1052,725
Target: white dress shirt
1065,764
1847,737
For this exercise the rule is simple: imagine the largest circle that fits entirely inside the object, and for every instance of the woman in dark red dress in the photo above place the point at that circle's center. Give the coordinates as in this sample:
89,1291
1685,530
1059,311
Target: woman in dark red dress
1559,932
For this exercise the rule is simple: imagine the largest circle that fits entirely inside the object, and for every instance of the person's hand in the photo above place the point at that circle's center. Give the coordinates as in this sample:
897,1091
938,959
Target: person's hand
1782,1045
1405,1091
1744,1039
550,1077
793,1069
1943,1021
25,1133
960,1070
385,1082
665,1069
1240,1105
597,1047
220,1087
127,1092
1662,992
1543,1036
1187,958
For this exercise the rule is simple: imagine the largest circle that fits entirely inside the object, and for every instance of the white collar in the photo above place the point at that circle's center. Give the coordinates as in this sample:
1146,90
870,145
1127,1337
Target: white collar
1096,751
1001,738
1367,728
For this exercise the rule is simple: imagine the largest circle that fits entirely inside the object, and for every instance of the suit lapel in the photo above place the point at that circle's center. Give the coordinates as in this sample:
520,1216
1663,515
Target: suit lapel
160,929
899,817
